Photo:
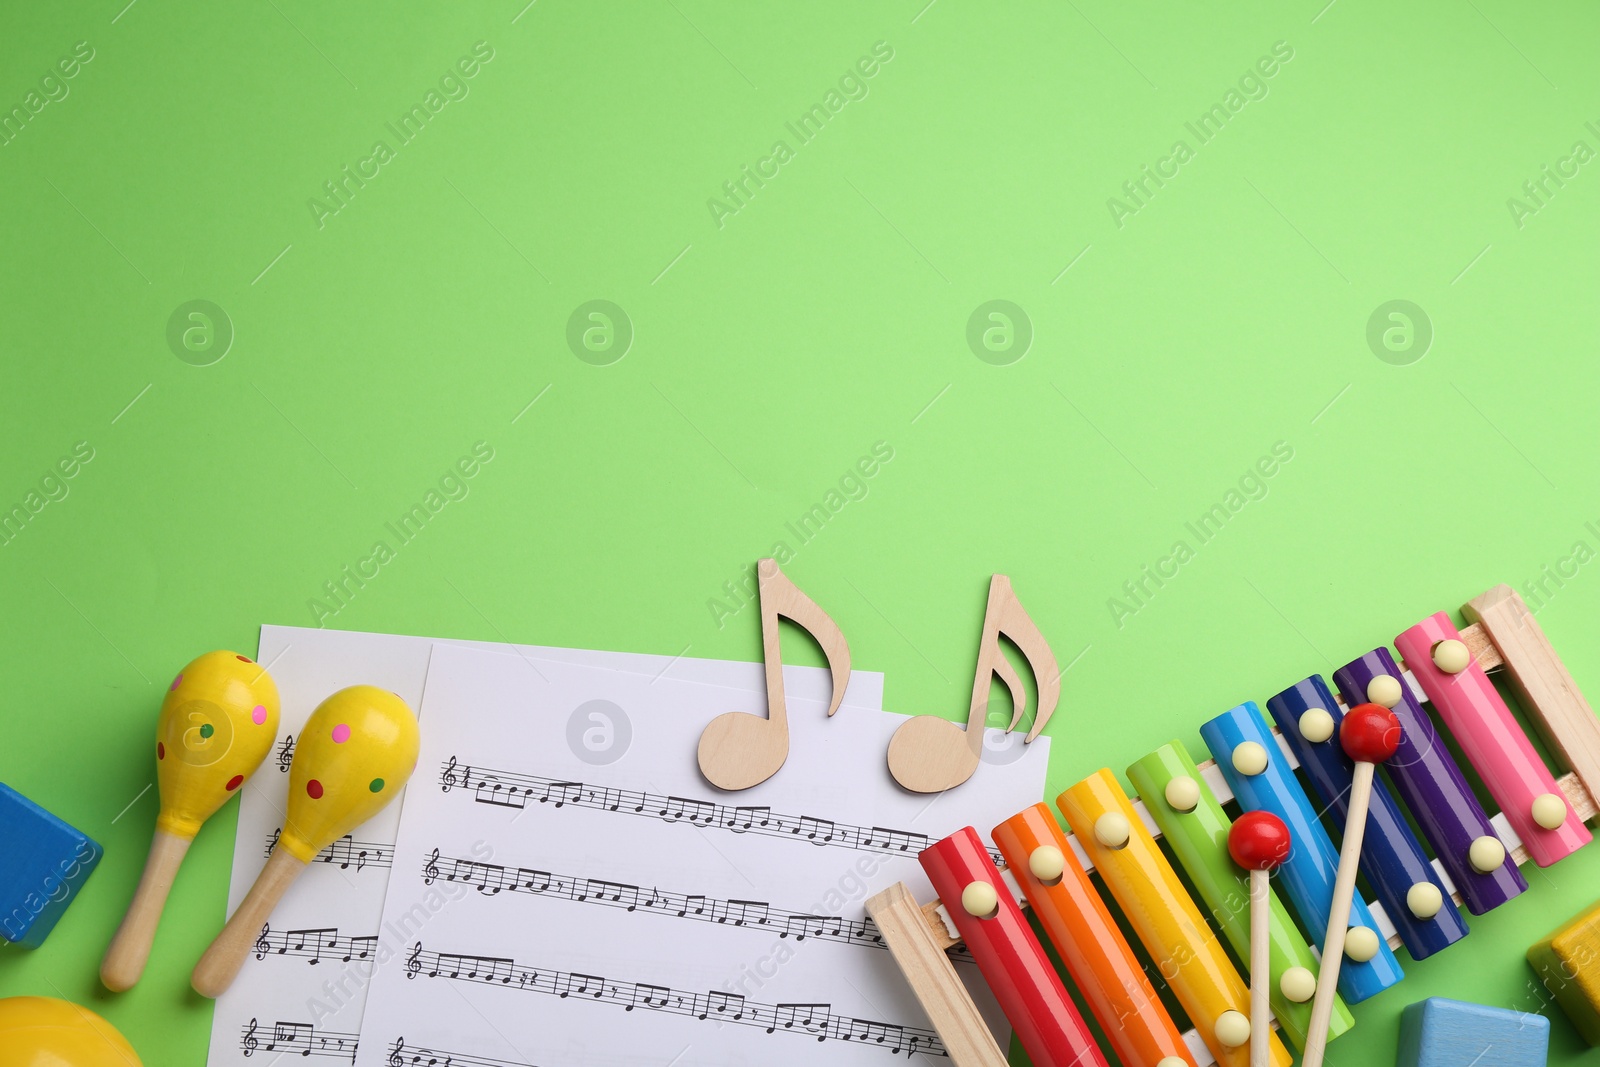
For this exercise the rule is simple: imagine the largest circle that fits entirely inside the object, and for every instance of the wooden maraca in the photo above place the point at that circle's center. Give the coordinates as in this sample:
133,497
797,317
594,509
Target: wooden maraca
354,755
218,721
1259,842
1369,735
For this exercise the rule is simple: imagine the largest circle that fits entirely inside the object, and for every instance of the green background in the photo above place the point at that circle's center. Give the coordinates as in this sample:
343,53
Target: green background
771,352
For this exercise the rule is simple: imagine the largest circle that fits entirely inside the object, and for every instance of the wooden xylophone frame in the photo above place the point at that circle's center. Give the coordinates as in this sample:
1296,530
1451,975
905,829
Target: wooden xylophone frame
1502,636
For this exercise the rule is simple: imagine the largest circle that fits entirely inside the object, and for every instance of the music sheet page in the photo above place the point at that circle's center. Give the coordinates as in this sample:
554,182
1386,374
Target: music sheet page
549,908
302,991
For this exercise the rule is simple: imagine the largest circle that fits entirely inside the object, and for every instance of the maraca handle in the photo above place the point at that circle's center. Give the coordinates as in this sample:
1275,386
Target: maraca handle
130,946
220,965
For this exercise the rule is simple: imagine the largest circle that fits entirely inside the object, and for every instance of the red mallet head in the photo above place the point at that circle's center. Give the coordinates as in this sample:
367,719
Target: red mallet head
1370,733
1258,841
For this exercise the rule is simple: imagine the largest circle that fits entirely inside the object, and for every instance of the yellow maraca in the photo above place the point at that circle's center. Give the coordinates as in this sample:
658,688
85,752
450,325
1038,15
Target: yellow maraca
354,756
46,1032
217,724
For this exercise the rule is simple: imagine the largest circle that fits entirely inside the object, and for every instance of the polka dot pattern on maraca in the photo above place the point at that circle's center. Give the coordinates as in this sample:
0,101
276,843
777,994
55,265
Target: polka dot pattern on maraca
217,723
350,760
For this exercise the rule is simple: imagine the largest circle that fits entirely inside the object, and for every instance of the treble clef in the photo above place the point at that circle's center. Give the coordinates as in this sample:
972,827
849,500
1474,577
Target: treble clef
286,753
414,961
448,779
431,871
249,1043
263,946
394,1053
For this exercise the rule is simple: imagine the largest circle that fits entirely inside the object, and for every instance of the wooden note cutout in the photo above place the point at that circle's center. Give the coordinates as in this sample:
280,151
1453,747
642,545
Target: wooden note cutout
928,754
740,749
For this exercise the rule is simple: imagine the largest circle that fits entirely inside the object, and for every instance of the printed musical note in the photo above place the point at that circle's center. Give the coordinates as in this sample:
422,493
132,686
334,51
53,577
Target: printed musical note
811,1019
395,1050
887,1034
928,754
710,815
491,790
817,831
582,985
531,880
562,793
739,749
359,947
898,840
248,1043
728,1006
649,996
696,812
807,1018
286,753
289,1034
605,892
741,912
431,870
745,817
447,779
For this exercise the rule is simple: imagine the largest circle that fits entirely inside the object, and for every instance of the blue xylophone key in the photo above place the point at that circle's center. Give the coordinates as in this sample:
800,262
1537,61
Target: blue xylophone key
1262,780
1396,867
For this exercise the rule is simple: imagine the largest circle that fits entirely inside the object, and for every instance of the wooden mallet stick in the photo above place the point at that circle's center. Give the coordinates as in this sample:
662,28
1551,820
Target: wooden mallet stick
1369,735
1259,842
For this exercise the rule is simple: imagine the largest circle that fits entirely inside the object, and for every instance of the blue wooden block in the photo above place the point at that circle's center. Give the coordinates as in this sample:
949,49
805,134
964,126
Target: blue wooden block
43,864
1452,1033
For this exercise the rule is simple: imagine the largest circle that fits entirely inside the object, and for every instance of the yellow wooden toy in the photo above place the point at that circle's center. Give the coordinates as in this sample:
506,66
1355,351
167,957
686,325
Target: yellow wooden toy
217,724
46,1032
354,756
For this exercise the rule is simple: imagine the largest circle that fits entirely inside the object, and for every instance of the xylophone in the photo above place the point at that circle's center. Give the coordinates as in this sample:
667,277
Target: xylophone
1415,903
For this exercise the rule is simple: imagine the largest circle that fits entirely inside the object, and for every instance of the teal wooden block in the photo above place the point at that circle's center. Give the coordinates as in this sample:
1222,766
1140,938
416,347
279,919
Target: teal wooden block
43,863
1453,1033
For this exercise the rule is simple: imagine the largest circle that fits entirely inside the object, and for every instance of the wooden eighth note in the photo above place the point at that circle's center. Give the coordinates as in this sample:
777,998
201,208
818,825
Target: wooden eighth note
928,754
740,749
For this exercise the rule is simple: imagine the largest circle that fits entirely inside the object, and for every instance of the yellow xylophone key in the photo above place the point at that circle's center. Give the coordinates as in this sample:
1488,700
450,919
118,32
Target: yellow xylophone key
1185,949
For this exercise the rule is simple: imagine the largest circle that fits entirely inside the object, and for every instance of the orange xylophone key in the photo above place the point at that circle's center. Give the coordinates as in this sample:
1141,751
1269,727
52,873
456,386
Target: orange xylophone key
1082,930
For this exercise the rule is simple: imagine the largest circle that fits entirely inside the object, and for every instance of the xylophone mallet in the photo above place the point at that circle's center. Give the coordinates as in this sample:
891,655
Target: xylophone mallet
1259,842
1370,734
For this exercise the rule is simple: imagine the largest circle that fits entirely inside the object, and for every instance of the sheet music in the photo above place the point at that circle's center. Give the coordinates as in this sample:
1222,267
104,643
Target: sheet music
544,910
301,990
